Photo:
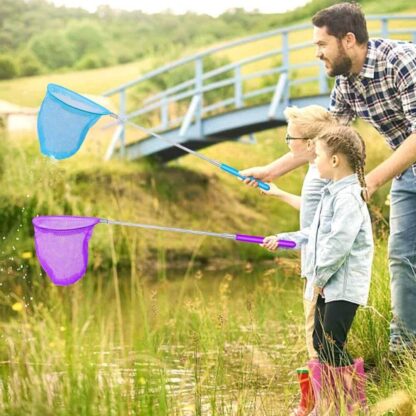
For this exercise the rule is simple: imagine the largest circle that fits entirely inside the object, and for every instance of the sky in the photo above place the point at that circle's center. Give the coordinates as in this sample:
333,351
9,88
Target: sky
212,7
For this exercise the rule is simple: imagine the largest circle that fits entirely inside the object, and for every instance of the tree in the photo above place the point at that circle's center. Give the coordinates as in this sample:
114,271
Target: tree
29,64
7,67
53,50
85,37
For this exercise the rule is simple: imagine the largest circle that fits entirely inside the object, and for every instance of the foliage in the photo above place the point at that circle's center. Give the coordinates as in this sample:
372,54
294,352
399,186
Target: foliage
63,38
91,61
29,64
53,49
85,37
7,67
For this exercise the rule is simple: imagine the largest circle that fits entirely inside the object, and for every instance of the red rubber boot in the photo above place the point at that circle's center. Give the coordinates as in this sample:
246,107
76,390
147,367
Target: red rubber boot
307,400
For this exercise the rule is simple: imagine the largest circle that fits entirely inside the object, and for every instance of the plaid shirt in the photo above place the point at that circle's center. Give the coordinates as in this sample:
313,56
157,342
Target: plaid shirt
383,93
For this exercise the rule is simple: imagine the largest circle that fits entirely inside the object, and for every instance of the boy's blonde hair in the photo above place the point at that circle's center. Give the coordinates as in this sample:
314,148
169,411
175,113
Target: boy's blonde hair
312,119
347,141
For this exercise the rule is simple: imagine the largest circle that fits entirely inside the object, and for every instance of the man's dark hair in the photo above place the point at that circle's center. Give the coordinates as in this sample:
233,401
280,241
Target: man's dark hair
342,18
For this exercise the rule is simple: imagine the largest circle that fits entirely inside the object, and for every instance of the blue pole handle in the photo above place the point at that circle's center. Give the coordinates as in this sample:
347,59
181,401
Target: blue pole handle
235,172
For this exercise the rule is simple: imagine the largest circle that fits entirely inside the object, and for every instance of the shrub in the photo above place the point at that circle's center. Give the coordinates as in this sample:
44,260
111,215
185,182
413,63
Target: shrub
53,50
29,64
7,67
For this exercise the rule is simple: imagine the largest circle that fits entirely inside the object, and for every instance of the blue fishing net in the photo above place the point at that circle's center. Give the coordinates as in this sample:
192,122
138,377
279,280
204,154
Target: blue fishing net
64,120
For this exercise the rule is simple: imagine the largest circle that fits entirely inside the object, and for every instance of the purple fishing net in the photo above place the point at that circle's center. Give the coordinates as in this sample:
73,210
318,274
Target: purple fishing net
61,244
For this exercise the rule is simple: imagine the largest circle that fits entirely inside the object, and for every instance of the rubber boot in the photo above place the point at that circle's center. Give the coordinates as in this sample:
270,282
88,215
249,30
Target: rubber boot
307,400
350,385
343,387
323,379
315,375
360,381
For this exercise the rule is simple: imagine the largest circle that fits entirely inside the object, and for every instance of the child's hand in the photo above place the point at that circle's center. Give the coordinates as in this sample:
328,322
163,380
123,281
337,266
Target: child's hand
319,291
274,190
270,242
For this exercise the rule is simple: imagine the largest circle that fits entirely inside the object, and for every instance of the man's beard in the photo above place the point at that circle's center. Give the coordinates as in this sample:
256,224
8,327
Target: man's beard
341,65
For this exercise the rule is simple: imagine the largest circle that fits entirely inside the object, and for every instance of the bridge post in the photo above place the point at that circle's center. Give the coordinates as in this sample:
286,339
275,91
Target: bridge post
285,64
190,115
323,84
238,87
384,27
278,95
199,81
164,113
122,114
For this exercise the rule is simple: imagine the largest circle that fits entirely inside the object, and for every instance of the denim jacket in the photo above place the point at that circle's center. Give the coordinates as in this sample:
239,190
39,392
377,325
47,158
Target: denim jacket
310,197
340,246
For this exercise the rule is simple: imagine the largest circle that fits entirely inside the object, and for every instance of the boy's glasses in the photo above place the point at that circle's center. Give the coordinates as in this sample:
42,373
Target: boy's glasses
288,138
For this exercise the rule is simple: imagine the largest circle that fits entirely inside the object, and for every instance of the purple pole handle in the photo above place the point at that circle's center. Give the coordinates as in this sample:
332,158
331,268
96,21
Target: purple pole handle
256,239
286,244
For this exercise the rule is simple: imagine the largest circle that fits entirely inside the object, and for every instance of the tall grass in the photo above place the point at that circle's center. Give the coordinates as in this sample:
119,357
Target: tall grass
112,345
120,341
219,343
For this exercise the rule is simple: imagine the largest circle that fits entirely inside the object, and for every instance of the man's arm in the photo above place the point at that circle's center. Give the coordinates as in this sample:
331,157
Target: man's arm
405,155
398,162
273,170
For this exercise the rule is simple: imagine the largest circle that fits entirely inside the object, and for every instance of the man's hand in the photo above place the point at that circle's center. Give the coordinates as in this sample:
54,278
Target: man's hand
371,187
400,160
370,190
258,172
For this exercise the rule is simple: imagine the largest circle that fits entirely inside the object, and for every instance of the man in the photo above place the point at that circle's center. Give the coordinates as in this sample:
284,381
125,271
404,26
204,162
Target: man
376,81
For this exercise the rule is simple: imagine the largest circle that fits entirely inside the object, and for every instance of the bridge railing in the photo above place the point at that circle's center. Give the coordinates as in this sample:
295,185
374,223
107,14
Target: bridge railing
269,67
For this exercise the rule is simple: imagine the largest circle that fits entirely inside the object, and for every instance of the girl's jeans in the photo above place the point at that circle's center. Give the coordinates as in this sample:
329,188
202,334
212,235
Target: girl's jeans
402,261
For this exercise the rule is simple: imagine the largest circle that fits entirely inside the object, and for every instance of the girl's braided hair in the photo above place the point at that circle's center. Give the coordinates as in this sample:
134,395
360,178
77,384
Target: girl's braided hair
345,140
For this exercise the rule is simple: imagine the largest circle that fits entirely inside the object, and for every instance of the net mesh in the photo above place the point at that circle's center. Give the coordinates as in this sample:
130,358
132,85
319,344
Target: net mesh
61,244
64,120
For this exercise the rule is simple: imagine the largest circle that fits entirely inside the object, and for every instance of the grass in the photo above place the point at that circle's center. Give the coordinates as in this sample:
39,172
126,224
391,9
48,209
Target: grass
162,348
30,91
207,343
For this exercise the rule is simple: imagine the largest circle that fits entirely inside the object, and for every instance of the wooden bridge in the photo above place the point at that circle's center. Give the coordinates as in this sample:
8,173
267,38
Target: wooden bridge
231,90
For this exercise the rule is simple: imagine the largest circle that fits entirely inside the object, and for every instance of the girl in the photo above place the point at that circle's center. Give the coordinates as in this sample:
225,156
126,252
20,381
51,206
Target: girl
303,125
339,249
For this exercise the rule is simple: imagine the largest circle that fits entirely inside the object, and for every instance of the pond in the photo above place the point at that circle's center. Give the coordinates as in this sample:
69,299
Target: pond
200,341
